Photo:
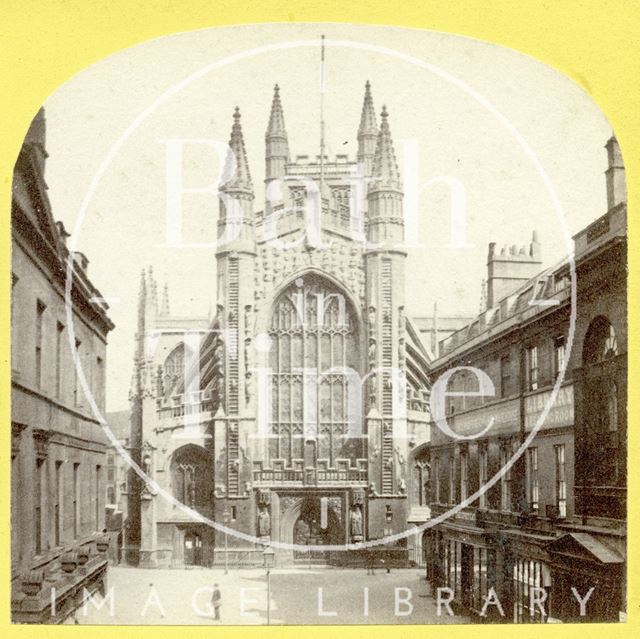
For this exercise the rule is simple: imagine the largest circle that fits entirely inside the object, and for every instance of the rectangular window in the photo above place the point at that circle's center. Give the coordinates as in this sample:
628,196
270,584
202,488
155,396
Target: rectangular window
57,514
505,376
234,513
76,383
37,500
532,368
483,474
559,349
99,381
533,490
561,480
561,280
505,480
76,500
436,478
59,337
452,484
98,489
40,308
464,475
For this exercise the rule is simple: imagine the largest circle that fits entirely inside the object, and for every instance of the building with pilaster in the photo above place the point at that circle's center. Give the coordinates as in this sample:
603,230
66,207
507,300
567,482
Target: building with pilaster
540,462
58,447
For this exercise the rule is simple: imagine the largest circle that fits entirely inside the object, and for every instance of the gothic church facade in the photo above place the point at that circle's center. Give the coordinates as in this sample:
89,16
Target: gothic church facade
298,414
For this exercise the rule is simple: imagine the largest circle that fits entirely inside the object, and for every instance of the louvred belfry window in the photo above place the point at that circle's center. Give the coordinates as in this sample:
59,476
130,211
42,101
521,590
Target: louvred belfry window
314,333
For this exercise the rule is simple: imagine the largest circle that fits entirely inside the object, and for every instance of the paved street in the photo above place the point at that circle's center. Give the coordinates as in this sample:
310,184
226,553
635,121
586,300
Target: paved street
140,596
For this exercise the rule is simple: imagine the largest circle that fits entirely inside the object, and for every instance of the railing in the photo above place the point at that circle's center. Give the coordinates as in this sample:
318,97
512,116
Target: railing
416,557
238,558
166,412
322,476
347,474
278,476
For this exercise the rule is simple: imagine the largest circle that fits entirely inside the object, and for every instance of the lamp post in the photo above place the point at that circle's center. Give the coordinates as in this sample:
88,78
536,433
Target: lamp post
388,531
269,557
226,518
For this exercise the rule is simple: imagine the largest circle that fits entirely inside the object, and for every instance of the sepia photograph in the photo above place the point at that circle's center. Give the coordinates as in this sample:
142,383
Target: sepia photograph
318,324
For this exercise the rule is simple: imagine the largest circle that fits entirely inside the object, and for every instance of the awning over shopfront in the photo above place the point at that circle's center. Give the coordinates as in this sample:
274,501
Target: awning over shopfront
583,546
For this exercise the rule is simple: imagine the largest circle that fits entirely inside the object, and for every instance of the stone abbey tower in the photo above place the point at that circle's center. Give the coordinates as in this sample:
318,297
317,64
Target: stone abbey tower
298,414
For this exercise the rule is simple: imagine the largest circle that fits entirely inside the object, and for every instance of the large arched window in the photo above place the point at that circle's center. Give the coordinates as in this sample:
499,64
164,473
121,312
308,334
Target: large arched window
192,478
173,370
314,330
600,342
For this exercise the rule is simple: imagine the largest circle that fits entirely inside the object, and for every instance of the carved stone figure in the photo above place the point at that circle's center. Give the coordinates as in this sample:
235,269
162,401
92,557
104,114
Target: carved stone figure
372,317
356,523
372,351
264,522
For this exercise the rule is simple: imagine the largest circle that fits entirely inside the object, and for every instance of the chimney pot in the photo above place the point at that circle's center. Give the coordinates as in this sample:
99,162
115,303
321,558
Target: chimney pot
615,174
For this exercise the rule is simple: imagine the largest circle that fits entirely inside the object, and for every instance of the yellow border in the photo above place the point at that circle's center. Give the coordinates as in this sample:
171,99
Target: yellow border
594,42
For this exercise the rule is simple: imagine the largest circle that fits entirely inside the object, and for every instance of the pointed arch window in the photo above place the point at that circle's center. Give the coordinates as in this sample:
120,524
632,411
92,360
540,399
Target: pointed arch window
192,478
314,333
174,369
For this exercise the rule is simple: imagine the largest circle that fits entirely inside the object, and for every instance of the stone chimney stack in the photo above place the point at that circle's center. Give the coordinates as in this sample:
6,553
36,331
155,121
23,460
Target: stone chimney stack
616,183
510,267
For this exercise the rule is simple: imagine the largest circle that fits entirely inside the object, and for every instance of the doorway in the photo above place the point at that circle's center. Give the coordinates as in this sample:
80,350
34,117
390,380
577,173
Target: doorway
193,549
308,530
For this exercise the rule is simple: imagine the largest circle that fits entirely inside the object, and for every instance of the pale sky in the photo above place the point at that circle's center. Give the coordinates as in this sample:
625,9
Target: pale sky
124,226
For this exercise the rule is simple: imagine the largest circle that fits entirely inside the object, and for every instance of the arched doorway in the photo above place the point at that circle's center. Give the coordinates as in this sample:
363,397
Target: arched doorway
303,524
